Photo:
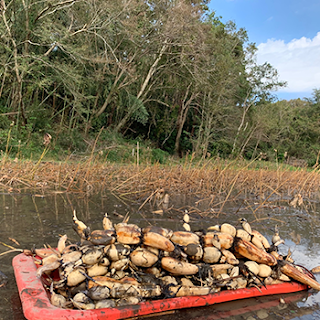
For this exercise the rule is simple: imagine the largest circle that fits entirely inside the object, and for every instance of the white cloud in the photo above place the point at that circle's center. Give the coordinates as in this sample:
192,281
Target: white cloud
297,62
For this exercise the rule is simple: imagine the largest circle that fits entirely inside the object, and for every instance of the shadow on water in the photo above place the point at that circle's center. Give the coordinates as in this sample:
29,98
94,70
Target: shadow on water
35,220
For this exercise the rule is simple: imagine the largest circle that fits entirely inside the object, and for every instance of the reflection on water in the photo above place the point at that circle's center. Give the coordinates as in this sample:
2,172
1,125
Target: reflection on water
37,220
253,308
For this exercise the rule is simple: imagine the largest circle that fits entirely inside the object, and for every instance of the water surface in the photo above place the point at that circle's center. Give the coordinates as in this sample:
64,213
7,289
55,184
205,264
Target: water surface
37,220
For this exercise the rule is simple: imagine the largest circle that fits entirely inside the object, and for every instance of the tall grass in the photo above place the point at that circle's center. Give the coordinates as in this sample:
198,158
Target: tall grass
219,178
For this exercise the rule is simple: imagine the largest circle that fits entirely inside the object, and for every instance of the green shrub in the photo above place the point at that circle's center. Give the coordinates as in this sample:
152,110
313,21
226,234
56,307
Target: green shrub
160,156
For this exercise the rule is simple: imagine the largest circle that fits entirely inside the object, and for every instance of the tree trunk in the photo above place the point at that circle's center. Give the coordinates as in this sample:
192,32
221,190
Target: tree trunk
246,108
183,116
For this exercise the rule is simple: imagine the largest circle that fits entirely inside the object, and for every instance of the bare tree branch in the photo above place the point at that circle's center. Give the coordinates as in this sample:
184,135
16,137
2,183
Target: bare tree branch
54,8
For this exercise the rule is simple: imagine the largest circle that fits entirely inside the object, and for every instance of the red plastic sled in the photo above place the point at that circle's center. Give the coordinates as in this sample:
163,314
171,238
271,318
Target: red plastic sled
36,304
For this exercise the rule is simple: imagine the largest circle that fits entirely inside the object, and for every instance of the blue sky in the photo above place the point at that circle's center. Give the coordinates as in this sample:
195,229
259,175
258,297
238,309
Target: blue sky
287,34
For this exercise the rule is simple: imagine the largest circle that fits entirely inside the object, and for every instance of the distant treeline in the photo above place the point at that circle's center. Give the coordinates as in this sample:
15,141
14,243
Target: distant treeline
169,72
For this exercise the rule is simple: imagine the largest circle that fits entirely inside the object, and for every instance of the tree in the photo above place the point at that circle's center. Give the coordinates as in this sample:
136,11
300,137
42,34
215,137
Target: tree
261,80
220,77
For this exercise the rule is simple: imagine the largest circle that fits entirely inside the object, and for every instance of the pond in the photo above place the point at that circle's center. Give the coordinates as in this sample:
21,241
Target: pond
37,220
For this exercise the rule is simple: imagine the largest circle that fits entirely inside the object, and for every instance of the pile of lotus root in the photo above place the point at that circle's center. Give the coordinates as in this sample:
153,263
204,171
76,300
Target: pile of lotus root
124,264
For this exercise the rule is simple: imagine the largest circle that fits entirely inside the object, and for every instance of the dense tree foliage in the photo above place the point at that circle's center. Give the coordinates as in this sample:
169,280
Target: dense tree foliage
165,71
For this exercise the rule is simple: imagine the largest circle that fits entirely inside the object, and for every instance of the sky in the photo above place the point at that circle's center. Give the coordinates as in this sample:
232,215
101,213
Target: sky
287,35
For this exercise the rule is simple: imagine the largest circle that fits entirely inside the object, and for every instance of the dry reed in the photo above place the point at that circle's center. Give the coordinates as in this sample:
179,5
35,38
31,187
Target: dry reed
210,179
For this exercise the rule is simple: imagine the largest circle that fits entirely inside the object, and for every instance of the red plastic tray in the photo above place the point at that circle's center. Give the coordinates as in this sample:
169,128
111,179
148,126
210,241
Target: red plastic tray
36,304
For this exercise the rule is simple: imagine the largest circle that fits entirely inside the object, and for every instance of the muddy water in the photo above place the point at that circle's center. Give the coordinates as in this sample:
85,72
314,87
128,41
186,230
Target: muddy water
35,220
